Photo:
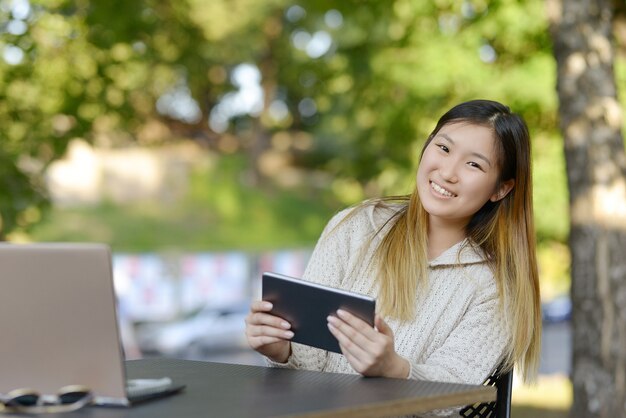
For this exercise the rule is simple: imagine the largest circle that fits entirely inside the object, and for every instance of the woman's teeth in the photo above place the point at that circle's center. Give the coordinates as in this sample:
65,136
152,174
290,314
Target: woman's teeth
441,190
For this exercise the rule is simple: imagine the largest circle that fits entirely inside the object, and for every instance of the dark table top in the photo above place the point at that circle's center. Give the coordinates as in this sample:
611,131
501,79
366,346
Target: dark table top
232,390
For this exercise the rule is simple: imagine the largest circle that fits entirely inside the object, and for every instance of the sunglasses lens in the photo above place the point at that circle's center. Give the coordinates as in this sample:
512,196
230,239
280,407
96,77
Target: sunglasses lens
24,400
71,397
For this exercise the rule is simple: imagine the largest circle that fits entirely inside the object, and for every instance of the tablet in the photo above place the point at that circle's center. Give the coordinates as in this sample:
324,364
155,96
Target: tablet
306,305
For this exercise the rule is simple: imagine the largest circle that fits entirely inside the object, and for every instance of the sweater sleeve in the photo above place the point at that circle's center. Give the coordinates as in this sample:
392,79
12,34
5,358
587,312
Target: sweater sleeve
328,265
473,349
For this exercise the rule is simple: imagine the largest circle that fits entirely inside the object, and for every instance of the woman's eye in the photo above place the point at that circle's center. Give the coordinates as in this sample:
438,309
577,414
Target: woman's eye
443,148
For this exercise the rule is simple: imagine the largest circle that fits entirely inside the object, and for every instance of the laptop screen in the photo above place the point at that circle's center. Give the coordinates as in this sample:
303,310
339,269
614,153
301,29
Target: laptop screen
58,319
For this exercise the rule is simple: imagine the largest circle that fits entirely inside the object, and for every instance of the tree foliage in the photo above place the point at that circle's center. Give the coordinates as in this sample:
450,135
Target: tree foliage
365,80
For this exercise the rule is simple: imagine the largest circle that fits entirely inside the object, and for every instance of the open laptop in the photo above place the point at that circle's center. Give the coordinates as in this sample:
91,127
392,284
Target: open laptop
59,325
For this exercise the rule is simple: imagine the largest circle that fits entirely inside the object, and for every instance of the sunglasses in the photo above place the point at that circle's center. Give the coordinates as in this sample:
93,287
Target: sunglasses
69,398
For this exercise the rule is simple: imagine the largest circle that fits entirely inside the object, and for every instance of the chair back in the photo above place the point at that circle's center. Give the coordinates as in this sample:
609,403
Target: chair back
501,408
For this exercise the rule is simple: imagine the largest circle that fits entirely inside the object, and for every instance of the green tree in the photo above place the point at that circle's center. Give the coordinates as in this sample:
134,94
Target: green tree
364,81
96,69
395,67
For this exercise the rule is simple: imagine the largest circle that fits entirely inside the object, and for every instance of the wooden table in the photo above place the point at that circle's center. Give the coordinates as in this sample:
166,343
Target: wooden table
232,390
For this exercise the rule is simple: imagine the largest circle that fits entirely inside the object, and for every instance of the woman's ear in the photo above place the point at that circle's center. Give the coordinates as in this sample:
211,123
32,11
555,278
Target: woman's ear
503,190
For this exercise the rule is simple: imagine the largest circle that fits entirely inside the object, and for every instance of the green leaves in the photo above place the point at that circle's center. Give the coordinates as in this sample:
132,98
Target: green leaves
366,80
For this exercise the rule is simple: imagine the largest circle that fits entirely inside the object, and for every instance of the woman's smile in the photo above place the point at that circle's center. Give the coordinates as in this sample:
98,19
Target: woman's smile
440,190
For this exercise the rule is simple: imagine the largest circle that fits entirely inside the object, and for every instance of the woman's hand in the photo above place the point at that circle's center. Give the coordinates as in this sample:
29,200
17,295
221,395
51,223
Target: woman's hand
369,350
268,334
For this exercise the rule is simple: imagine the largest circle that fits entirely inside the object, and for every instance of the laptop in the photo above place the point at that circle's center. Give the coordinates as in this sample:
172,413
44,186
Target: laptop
59,325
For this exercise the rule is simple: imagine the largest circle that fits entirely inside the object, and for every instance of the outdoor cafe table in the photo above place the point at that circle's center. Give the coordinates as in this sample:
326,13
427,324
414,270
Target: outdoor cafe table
233,390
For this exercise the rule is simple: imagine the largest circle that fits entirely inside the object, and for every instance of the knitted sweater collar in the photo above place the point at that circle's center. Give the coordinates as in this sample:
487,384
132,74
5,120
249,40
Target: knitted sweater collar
461,253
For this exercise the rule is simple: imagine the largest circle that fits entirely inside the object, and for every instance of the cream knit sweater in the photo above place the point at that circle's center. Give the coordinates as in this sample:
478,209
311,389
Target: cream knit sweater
459,333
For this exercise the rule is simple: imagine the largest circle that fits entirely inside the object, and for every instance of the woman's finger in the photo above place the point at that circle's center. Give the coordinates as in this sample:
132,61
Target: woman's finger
261,306
358,324
269,331
382,327
262,318
271,320
350,339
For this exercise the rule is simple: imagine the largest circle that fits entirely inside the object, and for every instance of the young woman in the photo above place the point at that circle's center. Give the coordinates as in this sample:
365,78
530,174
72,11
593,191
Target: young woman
452,265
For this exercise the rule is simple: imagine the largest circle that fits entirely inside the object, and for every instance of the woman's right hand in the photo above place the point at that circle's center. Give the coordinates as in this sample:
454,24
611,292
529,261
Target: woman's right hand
268,334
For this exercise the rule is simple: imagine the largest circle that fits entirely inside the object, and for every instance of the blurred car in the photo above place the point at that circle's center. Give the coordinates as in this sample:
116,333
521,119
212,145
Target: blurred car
209,329
558,309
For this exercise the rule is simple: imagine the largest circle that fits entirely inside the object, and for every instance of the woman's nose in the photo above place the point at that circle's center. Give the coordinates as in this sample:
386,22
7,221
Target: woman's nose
448,172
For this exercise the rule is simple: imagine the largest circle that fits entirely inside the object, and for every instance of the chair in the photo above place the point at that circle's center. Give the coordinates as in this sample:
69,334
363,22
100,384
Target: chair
501,408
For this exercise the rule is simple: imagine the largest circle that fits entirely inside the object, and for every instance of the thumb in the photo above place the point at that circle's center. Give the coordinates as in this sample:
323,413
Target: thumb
382,326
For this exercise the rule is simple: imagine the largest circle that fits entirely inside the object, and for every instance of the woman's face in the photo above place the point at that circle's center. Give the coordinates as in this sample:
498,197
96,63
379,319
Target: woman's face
459,173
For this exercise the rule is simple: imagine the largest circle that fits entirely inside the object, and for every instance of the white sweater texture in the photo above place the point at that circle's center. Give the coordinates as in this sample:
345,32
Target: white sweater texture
459,333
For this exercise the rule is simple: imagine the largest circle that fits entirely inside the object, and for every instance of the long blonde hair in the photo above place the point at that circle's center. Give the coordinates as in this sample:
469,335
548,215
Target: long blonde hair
503,229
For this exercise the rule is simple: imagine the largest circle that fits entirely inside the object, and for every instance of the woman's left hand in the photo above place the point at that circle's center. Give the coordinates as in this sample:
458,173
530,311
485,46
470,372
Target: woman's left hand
369,350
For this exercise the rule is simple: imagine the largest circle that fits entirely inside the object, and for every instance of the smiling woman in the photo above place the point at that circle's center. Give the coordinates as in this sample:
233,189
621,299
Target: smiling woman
458,174
452,266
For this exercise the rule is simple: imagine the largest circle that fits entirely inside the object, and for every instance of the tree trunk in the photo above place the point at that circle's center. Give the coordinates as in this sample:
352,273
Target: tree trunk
590,121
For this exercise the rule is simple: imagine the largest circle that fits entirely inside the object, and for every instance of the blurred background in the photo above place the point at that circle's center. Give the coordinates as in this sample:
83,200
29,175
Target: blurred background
207,141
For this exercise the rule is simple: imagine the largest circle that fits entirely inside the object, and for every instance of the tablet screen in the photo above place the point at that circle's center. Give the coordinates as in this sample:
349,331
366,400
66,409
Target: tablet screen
306,305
